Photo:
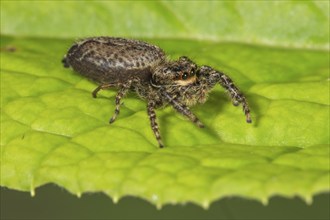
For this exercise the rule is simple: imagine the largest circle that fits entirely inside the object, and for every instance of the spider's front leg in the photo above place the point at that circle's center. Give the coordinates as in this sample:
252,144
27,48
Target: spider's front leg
212,76
182,109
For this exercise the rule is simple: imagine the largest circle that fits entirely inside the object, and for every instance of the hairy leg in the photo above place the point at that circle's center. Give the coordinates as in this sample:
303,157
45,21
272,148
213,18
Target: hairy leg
211,77
103,86
153,122
236,95
183,109
123,89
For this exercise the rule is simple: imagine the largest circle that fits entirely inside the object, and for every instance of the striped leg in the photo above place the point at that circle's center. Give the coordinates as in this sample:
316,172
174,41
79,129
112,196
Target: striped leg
153,123
235,95
121,93
184,110
213,76
104,86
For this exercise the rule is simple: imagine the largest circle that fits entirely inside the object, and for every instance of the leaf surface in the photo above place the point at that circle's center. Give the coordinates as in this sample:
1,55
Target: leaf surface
52,130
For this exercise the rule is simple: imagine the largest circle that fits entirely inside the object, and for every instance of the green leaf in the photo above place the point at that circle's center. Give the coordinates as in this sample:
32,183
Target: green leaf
53,131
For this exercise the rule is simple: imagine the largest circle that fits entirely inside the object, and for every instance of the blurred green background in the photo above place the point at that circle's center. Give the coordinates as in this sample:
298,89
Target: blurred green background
292,24
278,23
52,202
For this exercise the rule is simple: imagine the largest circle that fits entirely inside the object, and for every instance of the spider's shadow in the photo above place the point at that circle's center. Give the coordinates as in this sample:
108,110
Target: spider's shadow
206,112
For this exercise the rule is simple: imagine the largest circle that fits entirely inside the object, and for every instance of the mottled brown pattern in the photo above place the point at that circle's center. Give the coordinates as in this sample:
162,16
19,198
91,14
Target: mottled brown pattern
133,65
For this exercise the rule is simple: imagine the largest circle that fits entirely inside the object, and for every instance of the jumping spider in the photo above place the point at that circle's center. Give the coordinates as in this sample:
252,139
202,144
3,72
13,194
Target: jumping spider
133,65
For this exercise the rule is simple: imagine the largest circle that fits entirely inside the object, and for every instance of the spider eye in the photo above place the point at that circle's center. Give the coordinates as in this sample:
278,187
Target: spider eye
184,76
192,72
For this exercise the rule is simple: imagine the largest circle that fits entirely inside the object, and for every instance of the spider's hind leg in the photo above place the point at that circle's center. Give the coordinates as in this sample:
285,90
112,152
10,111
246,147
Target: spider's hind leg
101,87
123,89
121,93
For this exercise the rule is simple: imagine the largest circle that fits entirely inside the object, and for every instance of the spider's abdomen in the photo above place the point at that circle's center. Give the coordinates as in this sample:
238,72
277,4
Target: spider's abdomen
113,60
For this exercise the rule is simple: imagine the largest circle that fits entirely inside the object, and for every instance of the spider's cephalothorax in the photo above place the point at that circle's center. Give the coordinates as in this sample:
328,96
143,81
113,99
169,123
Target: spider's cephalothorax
138,66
